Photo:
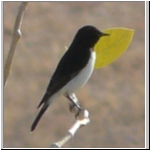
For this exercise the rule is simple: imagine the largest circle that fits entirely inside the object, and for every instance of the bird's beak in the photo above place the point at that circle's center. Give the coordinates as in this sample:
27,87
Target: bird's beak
105,34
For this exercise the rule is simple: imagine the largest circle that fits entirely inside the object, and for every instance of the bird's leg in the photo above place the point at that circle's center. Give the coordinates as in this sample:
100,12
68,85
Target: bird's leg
74,100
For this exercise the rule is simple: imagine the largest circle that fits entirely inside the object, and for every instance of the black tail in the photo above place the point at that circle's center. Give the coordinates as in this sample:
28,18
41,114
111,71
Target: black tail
39,116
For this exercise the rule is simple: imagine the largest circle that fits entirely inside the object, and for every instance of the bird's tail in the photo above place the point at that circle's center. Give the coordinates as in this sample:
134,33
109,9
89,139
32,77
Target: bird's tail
39,116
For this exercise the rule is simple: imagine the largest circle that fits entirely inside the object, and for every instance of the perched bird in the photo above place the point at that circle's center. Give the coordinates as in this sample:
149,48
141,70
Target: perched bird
73,70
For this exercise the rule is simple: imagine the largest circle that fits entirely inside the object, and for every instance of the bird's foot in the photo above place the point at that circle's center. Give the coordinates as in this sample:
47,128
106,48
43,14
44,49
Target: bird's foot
74,105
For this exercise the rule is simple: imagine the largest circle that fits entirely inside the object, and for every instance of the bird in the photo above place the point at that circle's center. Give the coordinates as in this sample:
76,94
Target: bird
73,70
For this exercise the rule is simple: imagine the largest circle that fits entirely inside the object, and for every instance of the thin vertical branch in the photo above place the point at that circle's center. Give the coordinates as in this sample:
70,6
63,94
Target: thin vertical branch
15,38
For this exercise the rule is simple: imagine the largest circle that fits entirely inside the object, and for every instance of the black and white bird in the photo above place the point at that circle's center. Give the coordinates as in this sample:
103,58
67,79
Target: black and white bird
74,69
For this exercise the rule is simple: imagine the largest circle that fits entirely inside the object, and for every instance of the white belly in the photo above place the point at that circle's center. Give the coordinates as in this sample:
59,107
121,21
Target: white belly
81,79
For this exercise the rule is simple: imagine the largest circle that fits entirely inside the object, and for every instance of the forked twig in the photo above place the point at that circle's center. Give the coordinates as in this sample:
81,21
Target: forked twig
82,120
15,38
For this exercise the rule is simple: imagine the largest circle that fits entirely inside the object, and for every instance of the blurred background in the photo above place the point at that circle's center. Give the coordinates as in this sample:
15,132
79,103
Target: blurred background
114,95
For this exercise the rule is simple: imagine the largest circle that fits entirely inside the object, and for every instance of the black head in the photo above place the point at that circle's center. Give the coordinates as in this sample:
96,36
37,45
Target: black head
88,36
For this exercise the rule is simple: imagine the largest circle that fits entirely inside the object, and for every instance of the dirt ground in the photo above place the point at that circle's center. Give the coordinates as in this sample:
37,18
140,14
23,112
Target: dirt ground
114,96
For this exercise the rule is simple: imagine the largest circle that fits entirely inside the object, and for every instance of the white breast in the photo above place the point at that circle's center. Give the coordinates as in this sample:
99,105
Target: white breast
81,79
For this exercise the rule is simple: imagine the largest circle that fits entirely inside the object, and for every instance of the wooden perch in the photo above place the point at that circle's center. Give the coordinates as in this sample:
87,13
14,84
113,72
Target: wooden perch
15,38
82,120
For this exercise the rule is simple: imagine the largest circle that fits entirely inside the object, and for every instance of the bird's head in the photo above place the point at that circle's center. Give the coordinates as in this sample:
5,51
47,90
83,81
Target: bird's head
88,36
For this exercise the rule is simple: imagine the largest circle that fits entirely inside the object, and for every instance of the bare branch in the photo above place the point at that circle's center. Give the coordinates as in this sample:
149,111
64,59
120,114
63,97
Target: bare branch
82,120
15,38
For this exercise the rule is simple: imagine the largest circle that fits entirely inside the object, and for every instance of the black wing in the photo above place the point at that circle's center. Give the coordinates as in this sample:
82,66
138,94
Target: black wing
69,66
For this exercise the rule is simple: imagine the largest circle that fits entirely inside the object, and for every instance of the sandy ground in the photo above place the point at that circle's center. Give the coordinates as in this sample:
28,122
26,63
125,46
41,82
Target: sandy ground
114,95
